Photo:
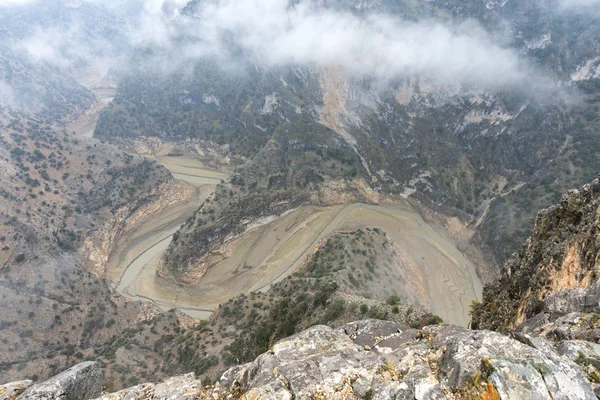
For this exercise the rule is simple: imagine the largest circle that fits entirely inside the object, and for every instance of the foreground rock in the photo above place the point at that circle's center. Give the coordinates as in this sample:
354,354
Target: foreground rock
81,382
383,360
13,390
374,359
180,387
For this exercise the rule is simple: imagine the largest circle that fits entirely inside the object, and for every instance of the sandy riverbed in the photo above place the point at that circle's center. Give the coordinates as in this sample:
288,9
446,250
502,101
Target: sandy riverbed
95,82
272,251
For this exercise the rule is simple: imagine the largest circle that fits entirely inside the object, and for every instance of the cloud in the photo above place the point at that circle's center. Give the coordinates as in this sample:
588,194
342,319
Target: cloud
272,33
579,3
7,96
579,6
11,3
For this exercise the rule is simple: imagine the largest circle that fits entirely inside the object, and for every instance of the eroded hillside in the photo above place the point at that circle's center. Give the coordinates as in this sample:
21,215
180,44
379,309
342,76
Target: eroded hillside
64,200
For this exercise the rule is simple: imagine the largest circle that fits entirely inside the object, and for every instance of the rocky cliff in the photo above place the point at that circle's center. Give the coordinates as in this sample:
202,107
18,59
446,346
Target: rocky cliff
371,359
560,257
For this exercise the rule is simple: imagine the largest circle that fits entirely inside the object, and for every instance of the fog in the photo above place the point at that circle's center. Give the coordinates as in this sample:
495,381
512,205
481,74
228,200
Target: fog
581,4
271,33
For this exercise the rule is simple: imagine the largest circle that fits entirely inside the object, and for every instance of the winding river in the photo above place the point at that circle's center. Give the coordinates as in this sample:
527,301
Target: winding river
273,250
269,252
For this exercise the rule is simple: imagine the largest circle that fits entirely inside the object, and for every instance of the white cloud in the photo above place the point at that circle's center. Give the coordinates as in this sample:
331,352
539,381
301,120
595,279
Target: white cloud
271,33
11,3
580,3
7,97
579,6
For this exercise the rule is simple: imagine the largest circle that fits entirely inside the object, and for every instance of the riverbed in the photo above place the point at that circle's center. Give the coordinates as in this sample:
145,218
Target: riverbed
272,250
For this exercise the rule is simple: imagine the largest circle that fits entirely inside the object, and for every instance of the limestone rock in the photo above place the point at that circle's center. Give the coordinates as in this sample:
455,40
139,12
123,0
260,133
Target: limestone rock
80,382
515,370
573,300
179,387
379,360
11,391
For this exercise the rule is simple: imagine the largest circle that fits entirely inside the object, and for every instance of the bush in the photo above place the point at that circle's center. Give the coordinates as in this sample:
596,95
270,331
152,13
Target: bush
334,311
364,308
20,258
435,320
393,300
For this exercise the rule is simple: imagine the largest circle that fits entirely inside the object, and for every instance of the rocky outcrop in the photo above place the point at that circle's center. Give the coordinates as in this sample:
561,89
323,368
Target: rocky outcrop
179,387
555,268
383,360
373,359
12,390
81,382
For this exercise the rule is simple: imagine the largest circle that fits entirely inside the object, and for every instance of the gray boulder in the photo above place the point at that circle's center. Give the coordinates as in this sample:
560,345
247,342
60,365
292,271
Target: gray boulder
11,391
574,300
80,382
318,360
185,387
515,369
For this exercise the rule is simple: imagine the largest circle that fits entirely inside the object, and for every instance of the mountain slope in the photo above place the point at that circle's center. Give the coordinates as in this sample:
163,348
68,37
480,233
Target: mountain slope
463,150
62,196
561,254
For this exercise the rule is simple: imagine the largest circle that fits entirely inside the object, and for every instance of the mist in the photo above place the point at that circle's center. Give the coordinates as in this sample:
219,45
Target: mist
270,33
588,4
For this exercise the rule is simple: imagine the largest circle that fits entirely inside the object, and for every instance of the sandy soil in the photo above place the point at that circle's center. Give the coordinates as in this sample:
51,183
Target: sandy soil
142,244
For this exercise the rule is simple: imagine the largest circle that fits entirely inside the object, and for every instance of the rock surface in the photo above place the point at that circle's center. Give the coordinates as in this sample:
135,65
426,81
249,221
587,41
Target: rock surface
383,360
81,382
12,390
179,387
373,359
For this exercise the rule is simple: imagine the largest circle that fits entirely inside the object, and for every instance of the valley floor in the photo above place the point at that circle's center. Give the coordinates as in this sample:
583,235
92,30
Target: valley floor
275,247
273,250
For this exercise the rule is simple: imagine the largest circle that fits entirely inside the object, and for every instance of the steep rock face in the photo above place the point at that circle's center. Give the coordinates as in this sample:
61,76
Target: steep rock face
561,255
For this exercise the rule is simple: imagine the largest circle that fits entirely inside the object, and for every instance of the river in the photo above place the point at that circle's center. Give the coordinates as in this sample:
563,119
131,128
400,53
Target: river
273,250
